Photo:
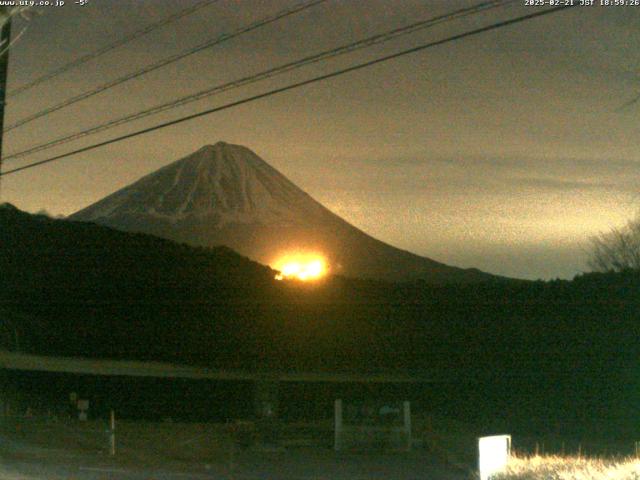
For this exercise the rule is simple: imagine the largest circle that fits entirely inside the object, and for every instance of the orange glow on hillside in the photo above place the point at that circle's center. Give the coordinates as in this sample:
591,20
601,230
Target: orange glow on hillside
301,266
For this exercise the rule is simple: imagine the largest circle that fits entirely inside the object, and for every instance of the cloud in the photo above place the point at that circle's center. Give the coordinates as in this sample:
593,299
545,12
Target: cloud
562,184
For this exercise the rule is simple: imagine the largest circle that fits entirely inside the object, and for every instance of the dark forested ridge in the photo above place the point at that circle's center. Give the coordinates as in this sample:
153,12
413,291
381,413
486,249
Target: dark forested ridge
81,289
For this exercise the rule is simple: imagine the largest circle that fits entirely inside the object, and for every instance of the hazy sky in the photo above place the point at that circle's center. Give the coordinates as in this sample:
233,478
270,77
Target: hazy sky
504,151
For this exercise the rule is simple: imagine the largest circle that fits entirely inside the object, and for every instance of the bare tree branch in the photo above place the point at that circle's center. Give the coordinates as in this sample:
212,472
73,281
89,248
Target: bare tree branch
617,250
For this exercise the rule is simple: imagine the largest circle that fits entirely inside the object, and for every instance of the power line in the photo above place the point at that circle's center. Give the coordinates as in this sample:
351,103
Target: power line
166,61
112,46
272,72
292,86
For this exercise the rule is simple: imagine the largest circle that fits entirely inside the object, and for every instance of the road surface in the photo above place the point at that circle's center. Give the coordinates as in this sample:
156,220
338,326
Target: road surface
296,464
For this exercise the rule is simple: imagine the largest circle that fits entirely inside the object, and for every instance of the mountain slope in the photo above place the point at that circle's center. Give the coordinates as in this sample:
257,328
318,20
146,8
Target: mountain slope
226,195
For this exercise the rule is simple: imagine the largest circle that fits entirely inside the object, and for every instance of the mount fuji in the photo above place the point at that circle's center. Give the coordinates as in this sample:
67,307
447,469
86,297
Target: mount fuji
225,194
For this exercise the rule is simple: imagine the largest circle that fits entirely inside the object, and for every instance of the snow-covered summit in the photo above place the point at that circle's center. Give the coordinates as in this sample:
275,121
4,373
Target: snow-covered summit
225,181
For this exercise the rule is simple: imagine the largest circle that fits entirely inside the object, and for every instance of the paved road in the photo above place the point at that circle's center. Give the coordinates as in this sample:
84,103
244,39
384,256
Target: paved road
289,465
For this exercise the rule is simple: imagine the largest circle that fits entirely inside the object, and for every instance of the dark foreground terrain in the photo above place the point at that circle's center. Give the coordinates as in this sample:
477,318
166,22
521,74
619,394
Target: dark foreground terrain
297,465
28,463
538,357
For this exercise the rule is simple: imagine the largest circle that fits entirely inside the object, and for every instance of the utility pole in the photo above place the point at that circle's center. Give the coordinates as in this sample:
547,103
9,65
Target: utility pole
5,42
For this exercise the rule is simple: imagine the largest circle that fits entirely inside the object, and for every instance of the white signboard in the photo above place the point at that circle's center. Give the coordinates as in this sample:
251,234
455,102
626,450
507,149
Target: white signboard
494,454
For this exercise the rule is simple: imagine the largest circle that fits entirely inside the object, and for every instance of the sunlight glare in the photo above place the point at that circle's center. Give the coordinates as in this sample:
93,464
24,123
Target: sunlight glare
300,266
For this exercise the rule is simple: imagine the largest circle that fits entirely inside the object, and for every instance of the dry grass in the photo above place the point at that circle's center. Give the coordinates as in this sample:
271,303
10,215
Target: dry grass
555,467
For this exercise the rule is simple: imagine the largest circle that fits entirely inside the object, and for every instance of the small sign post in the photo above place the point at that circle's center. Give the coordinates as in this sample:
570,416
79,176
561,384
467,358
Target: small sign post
337,443
406,408
112,434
